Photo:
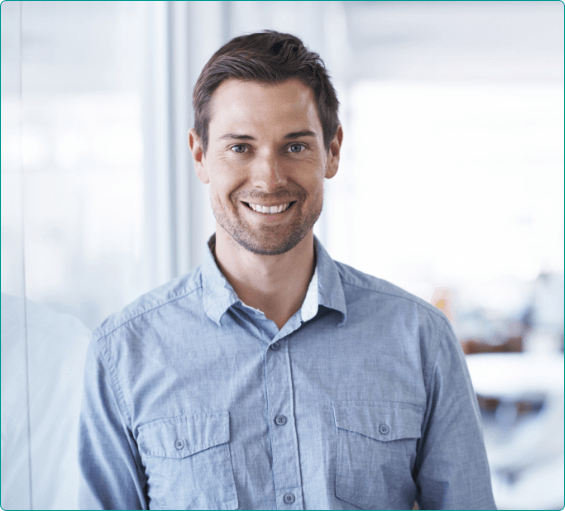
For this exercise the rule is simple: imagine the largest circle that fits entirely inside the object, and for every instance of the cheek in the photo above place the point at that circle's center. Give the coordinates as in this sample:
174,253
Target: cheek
313,182
219,194
309,168
223,183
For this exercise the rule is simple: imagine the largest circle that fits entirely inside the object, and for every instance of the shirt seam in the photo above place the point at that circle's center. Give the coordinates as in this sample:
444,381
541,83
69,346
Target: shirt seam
269,428
125,417
187,293
114,383
434,364
182,418
194,449
439,338
387,401
296,456
424,305
427,382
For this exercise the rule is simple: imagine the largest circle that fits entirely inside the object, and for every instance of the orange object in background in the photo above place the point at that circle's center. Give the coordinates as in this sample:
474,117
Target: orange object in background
443,300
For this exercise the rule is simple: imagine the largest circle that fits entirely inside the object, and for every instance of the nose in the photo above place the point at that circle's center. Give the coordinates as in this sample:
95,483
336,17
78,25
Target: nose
268,173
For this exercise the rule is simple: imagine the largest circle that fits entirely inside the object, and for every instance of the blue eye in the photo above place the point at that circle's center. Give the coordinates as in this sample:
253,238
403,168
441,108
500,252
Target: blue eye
296,148
240,148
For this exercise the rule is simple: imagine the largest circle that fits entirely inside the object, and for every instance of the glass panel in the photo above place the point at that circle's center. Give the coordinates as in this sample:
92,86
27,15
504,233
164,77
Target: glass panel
73,84
83,155
16,458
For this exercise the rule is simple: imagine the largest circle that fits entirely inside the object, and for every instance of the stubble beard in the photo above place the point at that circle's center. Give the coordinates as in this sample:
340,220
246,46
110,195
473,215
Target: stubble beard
267,242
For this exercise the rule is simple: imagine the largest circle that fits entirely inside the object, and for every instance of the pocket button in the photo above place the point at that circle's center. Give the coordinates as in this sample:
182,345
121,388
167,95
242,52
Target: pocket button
384,429
179,444
288,498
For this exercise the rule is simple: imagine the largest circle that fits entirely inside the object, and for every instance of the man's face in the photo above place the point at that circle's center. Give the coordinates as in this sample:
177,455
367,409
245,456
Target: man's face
265,163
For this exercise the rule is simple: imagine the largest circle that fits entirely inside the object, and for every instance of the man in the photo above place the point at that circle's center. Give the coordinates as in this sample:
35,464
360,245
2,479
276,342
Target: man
273,377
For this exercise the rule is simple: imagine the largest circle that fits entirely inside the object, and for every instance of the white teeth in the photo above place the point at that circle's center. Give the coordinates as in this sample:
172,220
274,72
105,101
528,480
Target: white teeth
269,210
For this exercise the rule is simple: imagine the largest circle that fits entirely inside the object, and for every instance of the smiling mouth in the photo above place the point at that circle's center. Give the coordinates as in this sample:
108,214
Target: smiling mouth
269,210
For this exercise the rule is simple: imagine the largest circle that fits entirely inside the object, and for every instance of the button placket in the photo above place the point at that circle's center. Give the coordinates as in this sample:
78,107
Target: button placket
284,442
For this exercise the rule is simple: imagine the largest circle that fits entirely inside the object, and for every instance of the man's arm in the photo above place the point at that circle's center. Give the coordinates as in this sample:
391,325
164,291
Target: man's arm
452,469
111,475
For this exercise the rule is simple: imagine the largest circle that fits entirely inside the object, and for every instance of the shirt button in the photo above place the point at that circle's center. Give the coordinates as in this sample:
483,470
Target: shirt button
384,429
275,346
179,444
288,498
280,420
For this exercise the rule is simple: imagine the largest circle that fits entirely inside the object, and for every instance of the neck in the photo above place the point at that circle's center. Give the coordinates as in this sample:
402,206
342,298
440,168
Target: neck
274,284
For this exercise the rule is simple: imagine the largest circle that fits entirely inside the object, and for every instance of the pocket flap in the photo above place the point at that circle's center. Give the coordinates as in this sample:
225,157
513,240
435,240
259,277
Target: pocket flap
379,420
179,437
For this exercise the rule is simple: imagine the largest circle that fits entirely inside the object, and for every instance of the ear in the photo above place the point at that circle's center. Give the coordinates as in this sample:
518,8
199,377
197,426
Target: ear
333,154
198,156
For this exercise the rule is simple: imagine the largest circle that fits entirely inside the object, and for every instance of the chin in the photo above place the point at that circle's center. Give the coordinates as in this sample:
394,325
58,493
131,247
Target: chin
268,247
265,242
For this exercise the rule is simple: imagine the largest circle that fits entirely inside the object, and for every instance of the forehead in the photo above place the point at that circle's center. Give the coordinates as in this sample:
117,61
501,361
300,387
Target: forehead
242,106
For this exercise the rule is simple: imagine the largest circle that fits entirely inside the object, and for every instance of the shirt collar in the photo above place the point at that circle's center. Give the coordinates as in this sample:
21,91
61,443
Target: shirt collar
217,294
309,307
330,288
325,287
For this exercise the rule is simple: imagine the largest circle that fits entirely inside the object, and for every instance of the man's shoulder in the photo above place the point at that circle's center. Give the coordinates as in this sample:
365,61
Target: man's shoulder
183,287
374,288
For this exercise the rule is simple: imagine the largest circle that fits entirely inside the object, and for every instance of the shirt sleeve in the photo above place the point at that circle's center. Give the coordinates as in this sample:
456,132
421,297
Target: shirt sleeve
452,470
111,474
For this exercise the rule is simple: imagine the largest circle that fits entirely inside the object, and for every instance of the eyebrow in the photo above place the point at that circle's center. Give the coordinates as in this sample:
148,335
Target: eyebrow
299,134
289,136
236,136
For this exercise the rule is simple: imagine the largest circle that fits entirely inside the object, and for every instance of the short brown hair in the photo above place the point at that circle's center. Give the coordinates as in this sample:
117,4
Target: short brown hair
268,57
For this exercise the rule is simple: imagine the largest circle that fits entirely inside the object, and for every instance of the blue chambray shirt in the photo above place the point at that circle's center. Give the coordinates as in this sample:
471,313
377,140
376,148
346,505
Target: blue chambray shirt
194,400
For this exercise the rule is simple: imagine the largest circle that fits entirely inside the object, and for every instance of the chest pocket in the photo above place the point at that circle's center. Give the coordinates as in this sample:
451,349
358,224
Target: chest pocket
187,462
376,452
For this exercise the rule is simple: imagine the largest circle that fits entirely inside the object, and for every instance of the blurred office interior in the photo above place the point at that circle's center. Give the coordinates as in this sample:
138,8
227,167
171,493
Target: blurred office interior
450,185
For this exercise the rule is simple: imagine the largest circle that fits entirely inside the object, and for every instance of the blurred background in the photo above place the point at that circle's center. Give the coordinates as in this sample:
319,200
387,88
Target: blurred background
451,186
